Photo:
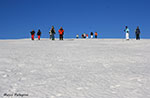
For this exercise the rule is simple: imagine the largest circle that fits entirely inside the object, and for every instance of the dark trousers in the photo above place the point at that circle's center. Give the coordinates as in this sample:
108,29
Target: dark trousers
52,37
137,36
95,36
61,37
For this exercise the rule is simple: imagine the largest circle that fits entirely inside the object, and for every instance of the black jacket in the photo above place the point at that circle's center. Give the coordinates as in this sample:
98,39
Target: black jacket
137,31
39,33
32,32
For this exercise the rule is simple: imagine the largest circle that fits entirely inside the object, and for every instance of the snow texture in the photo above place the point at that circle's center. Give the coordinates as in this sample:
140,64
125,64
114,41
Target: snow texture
75,68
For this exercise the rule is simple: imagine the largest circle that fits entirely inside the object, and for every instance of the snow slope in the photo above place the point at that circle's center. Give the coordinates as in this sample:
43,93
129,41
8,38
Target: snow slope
97,68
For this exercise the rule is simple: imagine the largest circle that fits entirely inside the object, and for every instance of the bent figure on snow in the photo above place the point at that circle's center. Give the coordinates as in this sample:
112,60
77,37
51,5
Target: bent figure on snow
137,33
39,34
127,32
61,33
32,34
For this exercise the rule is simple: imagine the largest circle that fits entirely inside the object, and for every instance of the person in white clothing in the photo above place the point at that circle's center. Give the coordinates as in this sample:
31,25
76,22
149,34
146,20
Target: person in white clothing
127,32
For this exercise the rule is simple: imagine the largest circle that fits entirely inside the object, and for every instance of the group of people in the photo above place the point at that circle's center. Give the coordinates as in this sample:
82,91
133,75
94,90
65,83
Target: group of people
137,33
52,33
84,35
33,33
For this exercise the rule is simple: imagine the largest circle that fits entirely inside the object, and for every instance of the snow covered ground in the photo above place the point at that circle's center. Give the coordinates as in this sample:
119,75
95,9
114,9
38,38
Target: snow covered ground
102,68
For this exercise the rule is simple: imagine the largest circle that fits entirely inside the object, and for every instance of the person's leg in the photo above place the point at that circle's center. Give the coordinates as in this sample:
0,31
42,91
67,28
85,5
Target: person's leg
53,37
32,36
127,36
59,37
136,36
95,36
62,37
38,37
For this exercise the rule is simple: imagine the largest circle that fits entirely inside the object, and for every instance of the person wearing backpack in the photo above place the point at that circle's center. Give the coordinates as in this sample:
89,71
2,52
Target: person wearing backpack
39,34
137,33
52,33
61,33
32,34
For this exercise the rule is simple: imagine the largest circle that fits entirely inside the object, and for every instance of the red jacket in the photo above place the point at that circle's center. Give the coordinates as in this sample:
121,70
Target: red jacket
61,31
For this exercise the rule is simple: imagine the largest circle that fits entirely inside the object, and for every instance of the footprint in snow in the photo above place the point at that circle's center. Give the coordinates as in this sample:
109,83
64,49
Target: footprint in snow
81,88
59,95
115,86
5,75
32,71
60,60
52,97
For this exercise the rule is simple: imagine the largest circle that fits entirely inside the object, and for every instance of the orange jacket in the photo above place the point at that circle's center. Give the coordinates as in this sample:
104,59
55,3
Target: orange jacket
61,31
95,33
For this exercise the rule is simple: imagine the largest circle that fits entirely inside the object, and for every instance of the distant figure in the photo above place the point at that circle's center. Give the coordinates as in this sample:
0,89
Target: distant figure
127,32
32,34
61,33
84,35
51,33
77,36
137,33
87,36
39,34
96,34
91,34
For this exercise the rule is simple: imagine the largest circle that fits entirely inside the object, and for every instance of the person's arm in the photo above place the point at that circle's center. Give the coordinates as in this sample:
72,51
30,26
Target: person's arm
63,32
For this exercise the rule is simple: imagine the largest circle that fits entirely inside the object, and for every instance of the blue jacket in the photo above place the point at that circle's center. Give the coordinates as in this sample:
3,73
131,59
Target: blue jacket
127,30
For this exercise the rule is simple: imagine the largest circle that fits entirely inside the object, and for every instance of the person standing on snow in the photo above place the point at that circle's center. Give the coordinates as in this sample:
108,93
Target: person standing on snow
84,35
87,36
32,34
61,33
91,34
77,36
39,34
127,32
96,34
137,33
51,33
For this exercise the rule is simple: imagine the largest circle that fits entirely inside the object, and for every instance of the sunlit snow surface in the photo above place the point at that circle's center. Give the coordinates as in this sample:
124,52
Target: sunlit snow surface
102,68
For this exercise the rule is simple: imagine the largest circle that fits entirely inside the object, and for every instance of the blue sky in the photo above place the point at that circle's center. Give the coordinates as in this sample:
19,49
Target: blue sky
107,17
